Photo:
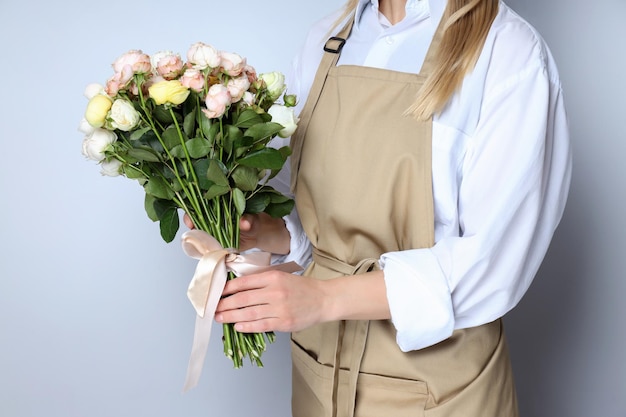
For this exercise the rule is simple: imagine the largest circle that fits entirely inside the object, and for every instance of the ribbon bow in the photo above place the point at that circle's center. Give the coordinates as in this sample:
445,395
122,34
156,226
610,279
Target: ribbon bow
207,285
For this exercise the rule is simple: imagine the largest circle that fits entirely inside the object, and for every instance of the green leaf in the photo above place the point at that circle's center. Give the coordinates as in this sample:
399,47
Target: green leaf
133,172
138,134
171,137
149,139
201,166
216,172
247,118
265,158
240,200
169,224
280,209
232,135
264,130
189,122
156,208
144,154
285,151
242,146
257,203
162,114
178,152
162,206
215,190
158,188
276,197
198,147
208,128
245,178
148,204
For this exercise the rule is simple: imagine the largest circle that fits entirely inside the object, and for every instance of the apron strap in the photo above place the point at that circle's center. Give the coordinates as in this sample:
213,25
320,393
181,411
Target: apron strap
332,50
360,336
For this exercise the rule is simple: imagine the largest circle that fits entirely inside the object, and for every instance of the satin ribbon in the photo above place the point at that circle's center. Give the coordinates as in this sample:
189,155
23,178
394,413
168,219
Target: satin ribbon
207,285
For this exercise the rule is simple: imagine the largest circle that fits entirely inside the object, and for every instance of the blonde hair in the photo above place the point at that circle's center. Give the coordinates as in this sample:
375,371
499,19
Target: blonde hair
466,24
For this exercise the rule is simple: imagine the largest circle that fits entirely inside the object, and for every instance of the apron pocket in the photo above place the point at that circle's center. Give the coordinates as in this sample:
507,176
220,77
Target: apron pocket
376,396
388,396
311,385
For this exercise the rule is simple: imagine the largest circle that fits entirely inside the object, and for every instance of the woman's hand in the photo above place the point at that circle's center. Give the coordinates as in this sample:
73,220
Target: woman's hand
278,301
260,231
272,301
264,232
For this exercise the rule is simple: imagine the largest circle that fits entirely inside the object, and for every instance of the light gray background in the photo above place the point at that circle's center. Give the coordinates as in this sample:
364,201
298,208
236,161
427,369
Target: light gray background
94,320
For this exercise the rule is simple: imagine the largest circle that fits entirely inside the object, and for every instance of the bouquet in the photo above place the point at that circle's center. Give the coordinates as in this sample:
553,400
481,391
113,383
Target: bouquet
195,136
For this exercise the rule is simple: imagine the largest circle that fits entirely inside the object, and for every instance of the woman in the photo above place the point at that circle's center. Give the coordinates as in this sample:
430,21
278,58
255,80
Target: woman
430,169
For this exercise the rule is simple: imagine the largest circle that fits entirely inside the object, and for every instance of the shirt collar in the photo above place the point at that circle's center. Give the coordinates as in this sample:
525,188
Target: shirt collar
436,8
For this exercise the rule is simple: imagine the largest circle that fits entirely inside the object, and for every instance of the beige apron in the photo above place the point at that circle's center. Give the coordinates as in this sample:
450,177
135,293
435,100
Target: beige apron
363,186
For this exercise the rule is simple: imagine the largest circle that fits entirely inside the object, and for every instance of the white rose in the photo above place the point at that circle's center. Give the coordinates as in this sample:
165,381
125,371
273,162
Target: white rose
110,168
286,117
85,127
123,115
96,143
202,56
248,98
275,82
93,89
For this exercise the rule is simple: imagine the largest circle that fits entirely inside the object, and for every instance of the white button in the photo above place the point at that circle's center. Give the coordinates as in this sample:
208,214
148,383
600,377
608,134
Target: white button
389,40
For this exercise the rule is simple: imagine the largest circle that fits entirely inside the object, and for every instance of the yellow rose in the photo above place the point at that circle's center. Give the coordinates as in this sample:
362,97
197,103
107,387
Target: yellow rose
171,91
97,109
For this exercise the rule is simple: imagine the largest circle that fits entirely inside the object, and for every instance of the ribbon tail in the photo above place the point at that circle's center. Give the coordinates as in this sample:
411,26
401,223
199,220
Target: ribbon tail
202,332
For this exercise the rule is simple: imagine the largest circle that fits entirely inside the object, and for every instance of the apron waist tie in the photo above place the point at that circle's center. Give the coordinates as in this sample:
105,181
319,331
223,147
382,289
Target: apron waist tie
360,336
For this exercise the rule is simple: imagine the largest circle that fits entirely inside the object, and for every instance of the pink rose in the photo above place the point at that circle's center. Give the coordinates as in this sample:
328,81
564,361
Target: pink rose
217,99
237,86
136,60
167,64
232,64
193,79
119,81
251,73
202,56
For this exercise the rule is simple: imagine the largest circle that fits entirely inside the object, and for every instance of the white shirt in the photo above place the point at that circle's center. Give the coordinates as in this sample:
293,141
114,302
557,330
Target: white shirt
501,170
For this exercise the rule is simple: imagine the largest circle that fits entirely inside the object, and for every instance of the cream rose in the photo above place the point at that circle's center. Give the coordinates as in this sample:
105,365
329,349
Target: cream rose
275,82
123,115
97,109
169,91
202,56
96,144
286,117
232,64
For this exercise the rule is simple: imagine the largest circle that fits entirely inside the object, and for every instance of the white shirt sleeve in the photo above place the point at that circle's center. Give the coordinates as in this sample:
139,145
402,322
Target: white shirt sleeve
513,184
